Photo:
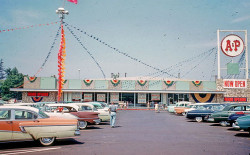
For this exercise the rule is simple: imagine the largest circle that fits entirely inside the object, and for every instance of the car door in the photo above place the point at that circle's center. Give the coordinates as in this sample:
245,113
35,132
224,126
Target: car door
5,125
23,117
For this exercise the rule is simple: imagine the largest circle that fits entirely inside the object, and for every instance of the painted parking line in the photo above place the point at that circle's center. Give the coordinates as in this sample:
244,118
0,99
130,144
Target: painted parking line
27,151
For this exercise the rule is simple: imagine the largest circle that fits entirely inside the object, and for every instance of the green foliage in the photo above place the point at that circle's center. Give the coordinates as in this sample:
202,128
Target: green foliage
13,80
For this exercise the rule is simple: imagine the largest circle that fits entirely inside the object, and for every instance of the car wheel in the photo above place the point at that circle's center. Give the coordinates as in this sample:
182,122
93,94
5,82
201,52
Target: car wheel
47,141
223,123
183,113
83,124
198,119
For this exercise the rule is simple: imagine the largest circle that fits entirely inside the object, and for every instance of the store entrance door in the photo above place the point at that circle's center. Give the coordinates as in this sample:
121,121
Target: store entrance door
128,97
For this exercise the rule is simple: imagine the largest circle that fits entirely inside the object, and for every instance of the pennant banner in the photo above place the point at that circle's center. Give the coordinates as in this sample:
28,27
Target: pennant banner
203,98
169,83
31,79
87,82
115,82
26,27
36,99
142,82
197,83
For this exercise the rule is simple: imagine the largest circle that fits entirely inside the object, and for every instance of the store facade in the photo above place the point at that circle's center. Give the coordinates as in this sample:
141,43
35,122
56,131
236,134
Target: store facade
135,92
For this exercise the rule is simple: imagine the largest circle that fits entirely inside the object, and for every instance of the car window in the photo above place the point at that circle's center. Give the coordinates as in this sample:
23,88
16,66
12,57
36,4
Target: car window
5,114
85,108
22,114
238,108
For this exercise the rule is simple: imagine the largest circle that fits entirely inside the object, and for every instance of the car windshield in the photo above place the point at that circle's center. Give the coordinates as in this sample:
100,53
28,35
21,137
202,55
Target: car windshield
201,107
217,107
42,114
98,106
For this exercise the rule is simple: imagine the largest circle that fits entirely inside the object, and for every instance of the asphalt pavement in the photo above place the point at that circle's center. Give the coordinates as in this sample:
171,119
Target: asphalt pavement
144,132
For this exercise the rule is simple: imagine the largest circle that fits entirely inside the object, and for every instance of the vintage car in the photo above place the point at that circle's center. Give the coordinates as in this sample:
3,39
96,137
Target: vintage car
28,123
222,116
98,105
232,118
202,112
85,118
243,123
42,106
170,108
181,106
103,114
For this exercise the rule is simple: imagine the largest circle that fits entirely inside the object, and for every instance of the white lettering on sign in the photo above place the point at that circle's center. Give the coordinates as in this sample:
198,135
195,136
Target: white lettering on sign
232,45
234,83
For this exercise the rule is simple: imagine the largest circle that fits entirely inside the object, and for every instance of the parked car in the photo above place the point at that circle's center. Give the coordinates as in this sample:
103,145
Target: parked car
243,123
233,117
170,108
85,118
98,105
43,106
28,123
194,106
203,111
181,106
222,116
103,114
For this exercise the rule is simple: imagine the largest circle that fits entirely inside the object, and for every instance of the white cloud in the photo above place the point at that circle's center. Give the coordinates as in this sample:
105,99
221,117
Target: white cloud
241,19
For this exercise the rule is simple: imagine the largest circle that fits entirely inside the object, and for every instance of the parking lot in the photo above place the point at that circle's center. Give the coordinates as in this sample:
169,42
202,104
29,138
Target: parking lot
145,132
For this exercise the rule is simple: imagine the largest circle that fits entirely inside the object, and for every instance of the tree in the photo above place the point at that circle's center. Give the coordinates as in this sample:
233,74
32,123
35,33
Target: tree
13,80
2,72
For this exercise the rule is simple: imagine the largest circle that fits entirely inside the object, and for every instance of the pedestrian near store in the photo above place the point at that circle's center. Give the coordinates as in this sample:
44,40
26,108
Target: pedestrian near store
112,111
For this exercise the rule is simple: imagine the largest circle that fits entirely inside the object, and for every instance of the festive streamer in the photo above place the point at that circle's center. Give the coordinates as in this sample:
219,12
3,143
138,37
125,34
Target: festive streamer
169,83
31,79
115,82
61,65
142,82
203,98
197,83
26,27
87,82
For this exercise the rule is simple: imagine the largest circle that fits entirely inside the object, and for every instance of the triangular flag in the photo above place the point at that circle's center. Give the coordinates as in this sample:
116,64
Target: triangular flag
73,1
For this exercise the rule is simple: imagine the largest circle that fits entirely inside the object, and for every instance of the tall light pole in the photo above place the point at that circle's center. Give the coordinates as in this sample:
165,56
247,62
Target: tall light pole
62,12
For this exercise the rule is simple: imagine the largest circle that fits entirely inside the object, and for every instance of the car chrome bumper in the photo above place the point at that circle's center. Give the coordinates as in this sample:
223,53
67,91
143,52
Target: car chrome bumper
77,133
210,119
97,121
235,126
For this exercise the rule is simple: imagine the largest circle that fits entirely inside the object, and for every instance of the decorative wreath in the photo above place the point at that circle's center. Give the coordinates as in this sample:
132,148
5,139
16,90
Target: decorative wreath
142,82
87,82
115,82
197,83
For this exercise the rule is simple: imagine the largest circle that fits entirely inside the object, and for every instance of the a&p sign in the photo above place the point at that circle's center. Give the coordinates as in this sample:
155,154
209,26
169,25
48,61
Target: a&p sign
232,45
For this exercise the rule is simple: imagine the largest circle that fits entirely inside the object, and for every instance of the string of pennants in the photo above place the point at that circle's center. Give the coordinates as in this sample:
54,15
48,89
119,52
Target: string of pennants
27,27
117,50
91,55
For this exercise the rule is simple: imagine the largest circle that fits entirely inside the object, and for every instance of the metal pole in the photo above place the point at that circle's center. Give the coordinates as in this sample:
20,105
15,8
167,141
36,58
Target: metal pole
218,52
246,55
79,73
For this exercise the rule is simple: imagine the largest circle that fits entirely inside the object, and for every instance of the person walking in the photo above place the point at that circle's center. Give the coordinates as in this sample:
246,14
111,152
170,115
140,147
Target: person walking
112,111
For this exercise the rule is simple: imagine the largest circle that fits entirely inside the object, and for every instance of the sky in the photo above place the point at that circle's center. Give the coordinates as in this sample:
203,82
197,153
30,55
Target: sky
158,33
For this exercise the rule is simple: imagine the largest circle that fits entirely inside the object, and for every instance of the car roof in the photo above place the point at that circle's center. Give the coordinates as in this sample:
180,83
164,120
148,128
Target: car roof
87,104
20,107
62,105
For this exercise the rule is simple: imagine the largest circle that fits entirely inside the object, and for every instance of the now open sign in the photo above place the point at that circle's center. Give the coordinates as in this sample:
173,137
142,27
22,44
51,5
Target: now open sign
232,45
